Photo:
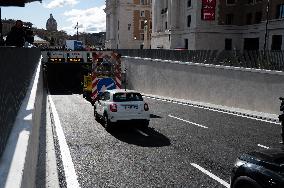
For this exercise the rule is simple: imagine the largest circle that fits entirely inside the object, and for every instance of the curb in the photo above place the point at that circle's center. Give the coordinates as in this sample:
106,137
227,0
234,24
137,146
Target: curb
52,180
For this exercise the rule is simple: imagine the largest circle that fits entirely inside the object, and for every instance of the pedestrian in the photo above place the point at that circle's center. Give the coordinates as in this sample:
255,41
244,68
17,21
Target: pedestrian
16,37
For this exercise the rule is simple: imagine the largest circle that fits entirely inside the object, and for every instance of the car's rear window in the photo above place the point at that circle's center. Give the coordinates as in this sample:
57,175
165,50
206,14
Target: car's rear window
122,97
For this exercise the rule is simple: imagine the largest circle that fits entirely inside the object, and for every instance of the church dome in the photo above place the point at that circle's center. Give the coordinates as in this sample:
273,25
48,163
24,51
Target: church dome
51,24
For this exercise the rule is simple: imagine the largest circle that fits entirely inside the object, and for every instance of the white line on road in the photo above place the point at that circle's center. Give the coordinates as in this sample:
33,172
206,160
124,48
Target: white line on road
188,122
139,131
69,170
262,146
211,175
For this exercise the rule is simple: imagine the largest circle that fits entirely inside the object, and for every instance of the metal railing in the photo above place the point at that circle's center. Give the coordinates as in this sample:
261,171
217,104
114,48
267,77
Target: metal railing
269,60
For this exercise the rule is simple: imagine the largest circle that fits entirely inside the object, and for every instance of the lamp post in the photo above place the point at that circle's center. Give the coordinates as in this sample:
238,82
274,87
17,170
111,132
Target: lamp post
77,27
145,34
266,25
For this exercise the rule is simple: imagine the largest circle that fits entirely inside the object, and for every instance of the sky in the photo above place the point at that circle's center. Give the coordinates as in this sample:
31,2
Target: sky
88,13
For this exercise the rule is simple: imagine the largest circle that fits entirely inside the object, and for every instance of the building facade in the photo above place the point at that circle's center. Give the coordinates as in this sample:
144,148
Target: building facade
218,24
128,24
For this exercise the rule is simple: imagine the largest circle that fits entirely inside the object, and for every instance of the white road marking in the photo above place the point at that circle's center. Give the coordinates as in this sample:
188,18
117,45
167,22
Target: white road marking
220,111
69,170
188,122
262,146
141,132
211,175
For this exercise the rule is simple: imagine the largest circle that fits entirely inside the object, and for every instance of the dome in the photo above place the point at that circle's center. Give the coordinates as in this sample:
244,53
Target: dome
51,24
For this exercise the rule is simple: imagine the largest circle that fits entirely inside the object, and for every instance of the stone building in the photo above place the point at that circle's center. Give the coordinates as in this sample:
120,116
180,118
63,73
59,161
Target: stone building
218,24
128,24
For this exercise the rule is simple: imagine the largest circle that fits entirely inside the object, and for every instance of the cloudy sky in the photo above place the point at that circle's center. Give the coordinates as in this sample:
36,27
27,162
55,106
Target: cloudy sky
88,13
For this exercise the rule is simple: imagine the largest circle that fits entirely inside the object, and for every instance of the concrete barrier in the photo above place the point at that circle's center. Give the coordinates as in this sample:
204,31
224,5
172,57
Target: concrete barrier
22,69
249,89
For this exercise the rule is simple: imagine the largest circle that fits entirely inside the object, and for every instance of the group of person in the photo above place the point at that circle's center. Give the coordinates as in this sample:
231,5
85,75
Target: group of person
18,35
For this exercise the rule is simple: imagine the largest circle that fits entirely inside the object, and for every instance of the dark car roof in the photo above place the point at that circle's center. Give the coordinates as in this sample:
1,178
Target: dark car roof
266,157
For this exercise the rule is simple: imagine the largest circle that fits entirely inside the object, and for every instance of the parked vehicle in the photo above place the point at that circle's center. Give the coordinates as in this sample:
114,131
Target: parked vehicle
259,169
121,105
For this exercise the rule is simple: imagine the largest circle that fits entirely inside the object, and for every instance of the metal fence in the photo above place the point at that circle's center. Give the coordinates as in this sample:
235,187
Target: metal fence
17,66
270,60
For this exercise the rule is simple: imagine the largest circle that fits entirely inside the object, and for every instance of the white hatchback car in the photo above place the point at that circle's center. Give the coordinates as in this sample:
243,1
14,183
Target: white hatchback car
121,105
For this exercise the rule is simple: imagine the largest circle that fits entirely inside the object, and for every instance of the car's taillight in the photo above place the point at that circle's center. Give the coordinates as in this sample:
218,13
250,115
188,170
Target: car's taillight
113,107
146,107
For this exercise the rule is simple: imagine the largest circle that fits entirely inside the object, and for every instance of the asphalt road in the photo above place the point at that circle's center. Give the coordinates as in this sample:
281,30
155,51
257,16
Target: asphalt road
179,149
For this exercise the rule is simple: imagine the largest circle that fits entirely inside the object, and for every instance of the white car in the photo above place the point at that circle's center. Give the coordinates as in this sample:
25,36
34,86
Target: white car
121,105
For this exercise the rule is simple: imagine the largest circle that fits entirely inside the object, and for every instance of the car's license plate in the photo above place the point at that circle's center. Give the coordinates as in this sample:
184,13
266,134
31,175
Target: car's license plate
131,107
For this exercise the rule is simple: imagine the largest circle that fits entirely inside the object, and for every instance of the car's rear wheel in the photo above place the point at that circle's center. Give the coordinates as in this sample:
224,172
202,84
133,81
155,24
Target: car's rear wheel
245,182
107,123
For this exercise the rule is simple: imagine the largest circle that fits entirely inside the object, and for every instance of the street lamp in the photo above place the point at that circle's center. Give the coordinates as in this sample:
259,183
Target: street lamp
145,44
266,25
77,27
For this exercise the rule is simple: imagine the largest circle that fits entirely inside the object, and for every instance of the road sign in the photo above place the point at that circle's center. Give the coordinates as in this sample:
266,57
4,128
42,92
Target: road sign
106,84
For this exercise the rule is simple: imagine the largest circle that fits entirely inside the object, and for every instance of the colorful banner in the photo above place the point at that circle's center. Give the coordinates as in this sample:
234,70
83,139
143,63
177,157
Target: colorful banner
208,10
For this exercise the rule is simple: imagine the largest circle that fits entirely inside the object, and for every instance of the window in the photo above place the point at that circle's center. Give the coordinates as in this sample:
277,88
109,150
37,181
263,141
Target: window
251,44
166,25
280,11
186,43
142,2
188,20
228,44
141,36
142,24
117,25
249,18
229,19
258,17
129,27
276,42
105,96
122,97
189,3
142,13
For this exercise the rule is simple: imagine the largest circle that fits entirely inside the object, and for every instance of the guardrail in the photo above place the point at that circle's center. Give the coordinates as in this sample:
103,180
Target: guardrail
269,60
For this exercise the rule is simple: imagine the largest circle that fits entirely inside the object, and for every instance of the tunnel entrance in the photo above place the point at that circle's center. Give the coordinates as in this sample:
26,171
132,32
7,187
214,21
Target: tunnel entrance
65,78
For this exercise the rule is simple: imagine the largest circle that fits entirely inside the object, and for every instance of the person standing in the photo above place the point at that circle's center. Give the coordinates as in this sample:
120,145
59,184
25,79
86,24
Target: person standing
16,37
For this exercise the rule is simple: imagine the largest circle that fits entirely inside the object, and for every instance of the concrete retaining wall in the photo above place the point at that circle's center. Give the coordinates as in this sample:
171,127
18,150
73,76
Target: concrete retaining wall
21,78
255,90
